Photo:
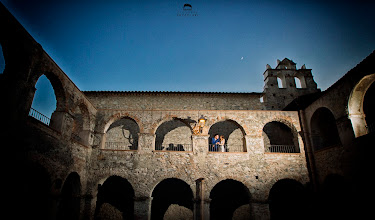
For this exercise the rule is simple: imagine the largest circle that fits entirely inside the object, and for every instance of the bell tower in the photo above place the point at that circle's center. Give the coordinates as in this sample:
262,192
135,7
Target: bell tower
285,83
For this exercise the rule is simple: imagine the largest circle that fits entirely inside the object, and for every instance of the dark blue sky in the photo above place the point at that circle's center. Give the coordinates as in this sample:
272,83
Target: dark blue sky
145,45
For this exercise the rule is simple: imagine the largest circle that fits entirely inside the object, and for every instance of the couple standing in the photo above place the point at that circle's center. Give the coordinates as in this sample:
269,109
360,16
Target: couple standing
218,143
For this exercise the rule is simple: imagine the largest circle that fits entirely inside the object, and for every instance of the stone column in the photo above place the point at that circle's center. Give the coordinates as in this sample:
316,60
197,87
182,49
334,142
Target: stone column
198,203
62,122
146,142
254,144
206,209
142,208
200,144
358,123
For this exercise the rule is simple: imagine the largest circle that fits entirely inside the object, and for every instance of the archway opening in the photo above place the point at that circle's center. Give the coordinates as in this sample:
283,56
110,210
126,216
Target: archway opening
69,206
279,138
369,108
280,83
44,102
118,194
173,135
226,197
81,125
123,134
288,200
233,134
324,131
169,192
298,83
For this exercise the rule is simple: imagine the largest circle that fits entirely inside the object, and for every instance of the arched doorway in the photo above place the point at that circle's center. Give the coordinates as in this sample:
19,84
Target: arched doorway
44,101
69,206
287,200
123,134
173,135
226,197
279,138
117,193
324,131
169,192
233,134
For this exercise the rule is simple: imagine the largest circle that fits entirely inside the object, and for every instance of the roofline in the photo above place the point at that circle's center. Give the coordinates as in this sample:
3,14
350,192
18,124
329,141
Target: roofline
170,92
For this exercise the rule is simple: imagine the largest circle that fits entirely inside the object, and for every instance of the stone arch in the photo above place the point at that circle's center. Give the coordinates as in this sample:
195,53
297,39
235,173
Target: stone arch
281,84
119,194
170,191
278,137
82,124
175,135
324,131
122,134
355,105
57,85
287,200
104,126
233,133
226,196
298,80
69,206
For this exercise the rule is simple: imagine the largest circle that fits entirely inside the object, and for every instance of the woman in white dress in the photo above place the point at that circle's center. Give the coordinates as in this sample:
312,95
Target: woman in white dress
222,144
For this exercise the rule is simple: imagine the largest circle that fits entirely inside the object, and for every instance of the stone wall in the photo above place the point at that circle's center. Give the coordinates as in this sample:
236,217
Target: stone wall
175,100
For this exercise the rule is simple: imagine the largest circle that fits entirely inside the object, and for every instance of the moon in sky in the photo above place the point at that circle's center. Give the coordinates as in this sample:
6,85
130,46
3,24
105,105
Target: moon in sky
241,58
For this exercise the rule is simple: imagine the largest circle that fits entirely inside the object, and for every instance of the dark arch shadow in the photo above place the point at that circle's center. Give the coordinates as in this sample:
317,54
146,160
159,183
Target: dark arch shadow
323,129
226,197
167,127
170,191
288,200
69,206
119,193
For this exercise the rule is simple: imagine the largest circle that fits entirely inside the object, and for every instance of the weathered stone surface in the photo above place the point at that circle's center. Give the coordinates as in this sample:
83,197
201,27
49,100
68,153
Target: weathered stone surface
176,212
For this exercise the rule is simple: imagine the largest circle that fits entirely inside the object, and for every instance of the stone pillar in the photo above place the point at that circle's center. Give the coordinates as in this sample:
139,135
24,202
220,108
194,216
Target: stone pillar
206,209
142,208
62,122
358,123
198,205
200,144
146,142
254,144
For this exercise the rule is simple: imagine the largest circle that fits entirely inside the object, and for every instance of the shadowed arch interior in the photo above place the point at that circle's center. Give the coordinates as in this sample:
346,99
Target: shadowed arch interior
232,132
117,192
123,134
69,206
226,197
173,133
287,200
323,129
170,191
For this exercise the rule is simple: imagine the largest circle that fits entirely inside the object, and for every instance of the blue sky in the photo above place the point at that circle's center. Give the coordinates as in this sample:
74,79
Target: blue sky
146,46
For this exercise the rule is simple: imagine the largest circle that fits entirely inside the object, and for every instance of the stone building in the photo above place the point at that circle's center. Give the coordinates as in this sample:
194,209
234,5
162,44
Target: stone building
291,151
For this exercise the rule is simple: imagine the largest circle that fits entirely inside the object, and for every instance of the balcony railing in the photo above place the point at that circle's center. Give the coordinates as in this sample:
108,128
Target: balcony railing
174,147
39,116
281,149
119,146
226,148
